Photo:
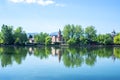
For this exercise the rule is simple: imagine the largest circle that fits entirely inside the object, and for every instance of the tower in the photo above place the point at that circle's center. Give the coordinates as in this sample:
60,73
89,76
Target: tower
59,35
113,33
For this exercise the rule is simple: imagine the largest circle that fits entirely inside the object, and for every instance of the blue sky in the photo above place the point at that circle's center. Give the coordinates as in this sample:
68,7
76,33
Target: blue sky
50,15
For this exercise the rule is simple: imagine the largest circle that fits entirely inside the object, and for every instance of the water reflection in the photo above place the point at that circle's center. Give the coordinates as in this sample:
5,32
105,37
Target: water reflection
10,54
71,57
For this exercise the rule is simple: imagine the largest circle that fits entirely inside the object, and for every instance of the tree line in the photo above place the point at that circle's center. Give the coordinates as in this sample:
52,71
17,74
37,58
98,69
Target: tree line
9,36
76,35
72,35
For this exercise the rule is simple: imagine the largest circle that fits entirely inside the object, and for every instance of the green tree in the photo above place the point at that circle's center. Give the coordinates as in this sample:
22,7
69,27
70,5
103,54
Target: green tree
108,39
104,39
90,33
117,39
79,31
78,34
40,38
1,40
7,34
71,32
100,38
20,36
83,40
67,32
48,40
71,41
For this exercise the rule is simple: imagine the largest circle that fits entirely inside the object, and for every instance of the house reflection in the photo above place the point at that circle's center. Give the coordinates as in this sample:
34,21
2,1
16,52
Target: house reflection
54,51
31,50
57,52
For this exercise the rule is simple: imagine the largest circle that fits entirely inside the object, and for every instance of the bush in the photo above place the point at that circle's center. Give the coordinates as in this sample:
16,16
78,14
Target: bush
71,41
48,40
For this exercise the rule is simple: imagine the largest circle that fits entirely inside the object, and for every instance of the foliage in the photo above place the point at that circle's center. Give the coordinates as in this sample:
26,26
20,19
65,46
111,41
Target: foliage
104,39
108,39
7,34
1,40
77,32
40,38
117,39
71,41
90,33
100,38
83,40
20,36
67,32
72,31
48,40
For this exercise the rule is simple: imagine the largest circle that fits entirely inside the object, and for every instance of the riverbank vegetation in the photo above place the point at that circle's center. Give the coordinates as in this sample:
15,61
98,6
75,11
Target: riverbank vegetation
77,35
72,35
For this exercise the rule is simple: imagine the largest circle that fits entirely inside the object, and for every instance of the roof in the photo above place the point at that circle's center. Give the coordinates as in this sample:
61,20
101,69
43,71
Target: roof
54,34
28,34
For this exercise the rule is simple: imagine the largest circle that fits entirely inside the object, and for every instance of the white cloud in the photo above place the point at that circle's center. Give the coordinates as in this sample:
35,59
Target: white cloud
45,2
60,5
16,1
30,1
40,2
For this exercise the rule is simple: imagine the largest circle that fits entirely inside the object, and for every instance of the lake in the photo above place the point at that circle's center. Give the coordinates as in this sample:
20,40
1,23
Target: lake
59,63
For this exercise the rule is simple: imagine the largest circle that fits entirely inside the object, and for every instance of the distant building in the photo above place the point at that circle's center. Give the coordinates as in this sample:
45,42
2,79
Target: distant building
31,39
57,37
113,33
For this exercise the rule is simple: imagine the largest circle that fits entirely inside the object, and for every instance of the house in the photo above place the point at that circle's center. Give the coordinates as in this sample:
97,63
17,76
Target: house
31,37
57,37
31,40
113,33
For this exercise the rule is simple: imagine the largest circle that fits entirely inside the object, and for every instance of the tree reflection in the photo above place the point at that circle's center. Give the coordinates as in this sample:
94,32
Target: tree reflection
42,52
74,57
71,57
10,54
117,52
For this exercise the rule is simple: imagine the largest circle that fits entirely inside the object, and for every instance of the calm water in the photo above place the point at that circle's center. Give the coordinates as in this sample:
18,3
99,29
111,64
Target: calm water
42,63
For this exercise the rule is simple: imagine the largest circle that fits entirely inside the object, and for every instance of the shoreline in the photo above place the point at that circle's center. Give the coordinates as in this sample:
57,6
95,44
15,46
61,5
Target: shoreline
53,45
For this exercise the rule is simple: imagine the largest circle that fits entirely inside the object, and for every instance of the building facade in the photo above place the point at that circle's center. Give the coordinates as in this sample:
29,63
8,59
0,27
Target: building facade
57,37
